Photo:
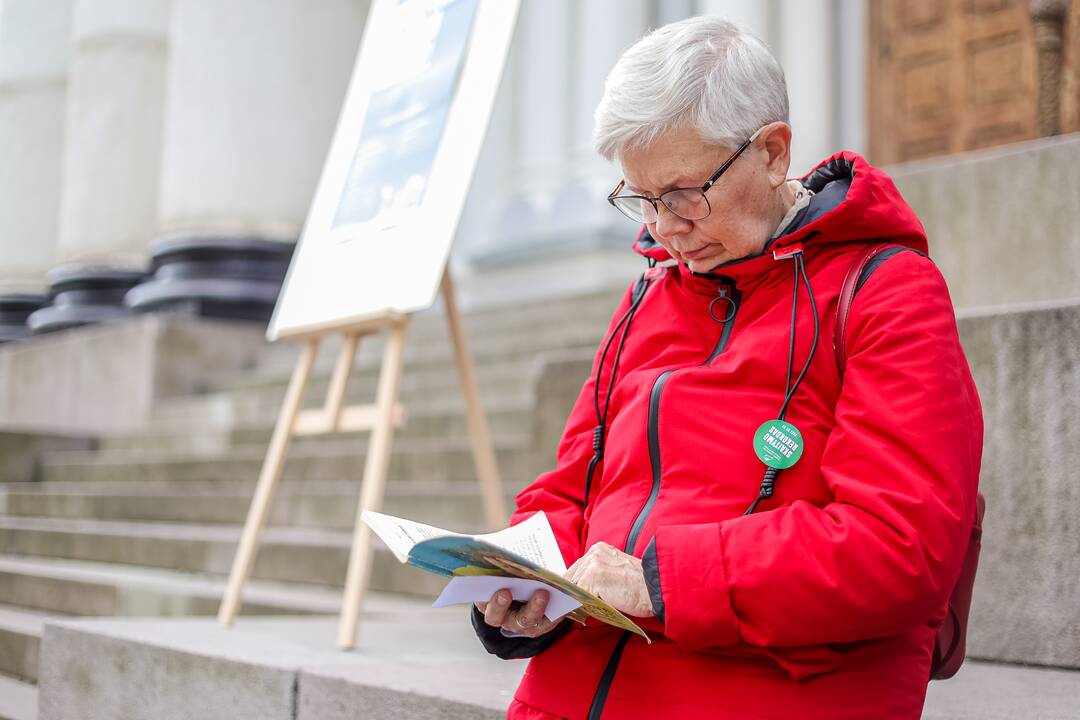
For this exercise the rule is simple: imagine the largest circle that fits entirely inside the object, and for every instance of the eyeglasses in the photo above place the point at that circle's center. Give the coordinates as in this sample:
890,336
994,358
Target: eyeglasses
687,203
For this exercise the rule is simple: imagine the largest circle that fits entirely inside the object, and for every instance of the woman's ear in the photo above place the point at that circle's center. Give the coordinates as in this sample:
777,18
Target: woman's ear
775,140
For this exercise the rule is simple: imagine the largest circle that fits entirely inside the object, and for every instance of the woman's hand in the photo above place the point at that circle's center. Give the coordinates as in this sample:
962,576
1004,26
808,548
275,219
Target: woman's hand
614,577
516,617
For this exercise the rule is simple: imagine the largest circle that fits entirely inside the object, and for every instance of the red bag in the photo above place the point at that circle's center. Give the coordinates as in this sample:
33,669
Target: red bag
949,645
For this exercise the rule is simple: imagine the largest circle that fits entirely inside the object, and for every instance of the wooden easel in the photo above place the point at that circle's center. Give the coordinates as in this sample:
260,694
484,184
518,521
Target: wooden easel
380,419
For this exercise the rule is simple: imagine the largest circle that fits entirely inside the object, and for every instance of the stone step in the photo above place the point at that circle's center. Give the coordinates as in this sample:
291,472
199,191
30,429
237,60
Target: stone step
421,358
430,460
436,381
261,404
140,592
73,587
537,325
423,664
425,376
456,506
20,635
504,422
18,700
225,411
300,555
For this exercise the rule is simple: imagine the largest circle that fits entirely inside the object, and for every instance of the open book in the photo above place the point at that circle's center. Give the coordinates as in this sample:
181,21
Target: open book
527,550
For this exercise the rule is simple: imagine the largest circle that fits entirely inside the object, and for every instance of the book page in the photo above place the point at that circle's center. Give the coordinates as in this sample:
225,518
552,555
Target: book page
401,535
532,539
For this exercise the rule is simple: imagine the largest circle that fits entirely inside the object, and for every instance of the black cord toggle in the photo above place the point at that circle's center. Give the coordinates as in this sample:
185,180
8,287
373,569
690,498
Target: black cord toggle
598,441
768,483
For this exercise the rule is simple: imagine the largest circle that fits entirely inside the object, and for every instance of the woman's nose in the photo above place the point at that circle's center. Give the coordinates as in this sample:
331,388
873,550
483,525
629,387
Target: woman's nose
669,224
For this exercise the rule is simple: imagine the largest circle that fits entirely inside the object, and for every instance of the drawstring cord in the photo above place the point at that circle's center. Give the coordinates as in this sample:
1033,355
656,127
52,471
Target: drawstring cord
601,417
768,482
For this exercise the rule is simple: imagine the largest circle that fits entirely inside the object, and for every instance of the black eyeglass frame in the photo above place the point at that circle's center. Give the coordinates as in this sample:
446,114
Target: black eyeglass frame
614,194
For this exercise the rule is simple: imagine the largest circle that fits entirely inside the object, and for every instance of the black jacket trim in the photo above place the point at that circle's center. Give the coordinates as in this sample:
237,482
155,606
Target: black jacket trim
514,648
650,566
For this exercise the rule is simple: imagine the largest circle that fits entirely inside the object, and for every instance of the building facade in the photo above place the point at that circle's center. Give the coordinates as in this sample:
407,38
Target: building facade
124,121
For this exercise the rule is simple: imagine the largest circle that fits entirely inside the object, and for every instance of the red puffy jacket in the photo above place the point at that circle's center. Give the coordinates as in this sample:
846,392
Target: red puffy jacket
825,601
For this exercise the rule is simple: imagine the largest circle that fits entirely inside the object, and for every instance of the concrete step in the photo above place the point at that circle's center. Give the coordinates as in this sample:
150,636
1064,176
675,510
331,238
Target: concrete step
300,555
425,664
523,347
422,378
18,700
435,383
21,628
310,504
420,664
73,587
259,405
538,326
178,426
429,459
20,636
225,411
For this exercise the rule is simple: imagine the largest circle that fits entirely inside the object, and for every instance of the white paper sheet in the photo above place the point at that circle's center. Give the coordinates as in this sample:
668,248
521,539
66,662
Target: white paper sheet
532,539
480,588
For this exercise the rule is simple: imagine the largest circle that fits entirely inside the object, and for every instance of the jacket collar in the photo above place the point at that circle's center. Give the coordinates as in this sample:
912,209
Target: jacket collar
853,201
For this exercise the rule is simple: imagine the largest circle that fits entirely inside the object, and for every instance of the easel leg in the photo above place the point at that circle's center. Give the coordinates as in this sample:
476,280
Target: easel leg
268,480
335,394
483,450
375,469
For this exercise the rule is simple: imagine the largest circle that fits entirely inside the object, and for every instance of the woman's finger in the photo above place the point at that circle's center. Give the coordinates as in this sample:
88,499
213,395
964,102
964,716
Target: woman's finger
574,571
529,618
496,610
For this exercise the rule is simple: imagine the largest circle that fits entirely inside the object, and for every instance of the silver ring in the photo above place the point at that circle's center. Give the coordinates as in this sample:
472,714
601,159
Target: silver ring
517,619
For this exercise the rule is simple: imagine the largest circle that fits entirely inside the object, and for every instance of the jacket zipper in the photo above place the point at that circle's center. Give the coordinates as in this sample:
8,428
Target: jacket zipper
596,709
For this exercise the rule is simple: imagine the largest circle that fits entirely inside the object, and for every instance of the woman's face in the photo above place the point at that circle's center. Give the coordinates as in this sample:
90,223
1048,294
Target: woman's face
744,200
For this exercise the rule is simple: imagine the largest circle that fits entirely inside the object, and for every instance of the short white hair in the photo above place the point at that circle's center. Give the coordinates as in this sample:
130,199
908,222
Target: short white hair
704,73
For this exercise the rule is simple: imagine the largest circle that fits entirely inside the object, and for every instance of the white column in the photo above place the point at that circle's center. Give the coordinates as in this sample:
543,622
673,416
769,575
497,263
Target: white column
254,91
588,177
543,67
113,130
479,230
552,232
853,28
33,63
754,15
806,53
669,11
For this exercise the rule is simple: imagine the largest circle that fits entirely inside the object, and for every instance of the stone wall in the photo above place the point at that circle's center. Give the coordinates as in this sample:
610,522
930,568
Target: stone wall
1026,363
106,378
1004,224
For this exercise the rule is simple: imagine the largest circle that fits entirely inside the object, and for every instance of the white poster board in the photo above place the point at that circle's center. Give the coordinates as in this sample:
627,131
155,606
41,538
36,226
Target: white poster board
378,234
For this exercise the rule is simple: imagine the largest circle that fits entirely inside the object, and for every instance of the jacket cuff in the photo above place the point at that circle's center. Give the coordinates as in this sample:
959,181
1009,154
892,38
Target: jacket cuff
698,610
514,648
651,570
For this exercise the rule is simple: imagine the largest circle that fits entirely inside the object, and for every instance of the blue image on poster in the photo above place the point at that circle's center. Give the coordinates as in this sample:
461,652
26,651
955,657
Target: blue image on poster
404,122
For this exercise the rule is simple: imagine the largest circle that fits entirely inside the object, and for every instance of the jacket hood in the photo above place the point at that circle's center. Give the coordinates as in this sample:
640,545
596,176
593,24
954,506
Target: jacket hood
853,201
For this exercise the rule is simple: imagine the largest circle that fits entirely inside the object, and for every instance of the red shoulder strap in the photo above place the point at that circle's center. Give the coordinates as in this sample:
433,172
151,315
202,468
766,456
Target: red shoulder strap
847,294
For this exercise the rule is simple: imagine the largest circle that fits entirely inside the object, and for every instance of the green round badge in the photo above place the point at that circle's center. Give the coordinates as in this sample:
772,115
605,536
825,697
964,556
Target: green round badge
779,444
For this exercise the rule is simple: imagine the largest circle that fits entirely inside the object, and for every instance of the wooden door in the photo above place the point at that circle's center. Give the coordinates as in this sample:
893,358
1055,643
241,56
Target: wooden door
1070,75
950,75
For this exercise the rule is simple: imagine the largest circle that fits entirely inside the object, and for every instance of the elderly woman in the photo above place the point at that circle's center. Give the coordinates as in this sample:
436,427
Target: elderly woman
786,529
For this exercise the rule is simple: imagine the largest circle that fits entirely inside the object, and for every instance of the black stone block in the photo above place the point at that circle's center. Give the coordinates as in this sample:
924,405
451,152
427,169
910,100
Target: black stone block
84,295
15,308
232,278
